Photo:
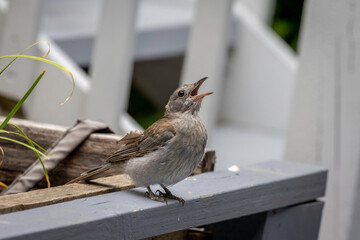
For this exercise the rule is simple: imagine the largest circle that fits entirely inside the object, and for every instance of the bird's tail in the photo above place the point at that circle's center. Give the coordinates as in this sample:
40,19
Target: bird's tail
93,173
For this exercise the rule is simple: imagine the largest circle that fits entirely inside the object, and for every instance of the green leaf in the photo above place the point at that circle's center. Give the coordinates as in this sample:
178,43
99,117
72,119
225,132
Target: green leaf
31,143
23,135
45,55
24,144
49,62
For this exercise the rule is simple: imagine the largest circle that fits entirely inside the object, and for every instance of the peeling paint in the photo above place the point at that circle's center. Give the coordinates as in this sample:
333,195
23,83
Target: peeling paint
137,210
207,196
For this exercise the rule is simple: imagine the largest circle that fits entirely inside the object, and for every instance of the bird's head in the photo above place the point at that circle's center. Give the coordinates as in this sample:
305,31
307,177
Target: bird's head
186,99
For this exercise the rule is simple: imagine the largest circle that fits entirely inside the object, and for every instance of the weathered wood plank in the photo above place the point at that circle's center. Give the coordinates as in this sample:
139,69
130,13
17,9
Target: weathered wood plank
210,197
88,155
47,196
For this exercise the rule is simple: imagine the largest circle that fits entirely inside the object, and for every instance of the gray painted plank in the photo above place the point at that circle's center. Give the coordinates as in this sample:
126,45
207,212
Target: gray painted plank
210,198
247,227
295,222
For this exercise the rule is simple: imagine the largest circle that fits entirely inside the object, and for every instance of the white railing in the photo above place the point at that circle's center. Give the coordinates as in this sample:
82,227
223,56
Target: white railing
324,126
254,86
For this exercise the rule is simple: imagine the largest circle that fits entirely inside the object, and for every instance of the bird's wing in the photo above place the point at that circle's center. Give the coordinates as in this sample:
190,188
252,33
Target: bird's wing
157,135
137,144
131,137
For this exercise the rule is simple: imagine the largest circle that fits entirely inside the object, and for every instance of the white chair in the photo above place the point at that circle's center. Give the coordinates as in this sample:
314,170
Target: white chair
247,115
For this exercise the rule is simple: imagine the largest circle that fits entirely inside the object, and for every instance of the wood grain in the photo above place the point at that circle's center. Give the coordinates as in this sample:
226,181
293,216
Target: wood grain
47,196
89,154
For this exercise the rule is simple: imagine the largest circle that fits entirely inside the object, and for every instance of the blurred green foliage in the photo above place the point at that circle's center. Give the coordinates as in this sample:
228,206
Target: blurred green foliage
287,19
142,109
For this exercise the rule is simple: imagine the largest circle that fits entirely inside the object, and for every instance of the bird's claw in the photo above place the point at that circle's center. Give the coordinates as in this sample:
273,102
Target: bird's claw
181,200
163,196
160,193
168,194
156,198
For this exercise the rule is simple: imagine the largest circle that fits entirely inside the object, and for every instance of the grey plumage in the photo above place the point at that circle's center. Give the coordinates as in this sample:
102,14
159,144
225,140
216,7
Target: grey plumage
166,152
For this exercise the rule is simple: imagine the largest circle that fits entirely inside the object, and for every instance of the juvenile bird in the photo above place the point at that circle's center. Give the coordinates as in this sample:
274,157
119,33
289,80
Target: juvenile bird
166,152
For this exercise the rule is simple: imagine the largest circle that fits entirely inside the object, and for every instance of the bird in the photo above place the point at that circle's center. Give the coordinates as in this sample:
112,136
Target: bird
166,152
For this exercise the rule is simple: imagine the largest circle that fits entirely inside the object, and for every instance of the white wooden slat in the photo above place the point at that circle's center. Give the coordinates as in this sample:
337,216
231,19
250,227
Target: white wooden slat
161,27
20,30
3,10
354,231
205,55
324,127
261,76
43,104
112,62
55,87
262,9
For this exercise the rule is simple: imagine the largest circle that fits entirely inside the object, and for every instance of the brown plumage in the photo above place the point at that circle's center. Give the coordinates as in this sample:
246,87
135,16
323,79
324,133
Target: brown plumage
137,144
166,152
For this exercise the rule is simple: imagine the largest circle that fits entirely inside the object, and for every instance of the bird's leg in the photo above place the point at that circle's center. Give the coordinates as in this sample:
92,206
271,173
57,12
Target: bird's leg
150,194
169,195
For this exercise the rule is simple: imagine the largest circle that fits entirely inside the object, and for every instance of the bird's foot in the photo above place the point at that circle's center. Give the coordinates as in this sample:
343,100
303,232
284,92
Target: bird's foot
156,198
171,196
168,194
151,195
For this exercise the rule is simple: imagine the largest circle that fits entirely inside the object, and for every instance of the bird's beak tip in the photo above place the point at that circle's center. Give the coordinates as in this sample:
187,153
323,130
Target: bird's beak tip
197,85
201,81
201,96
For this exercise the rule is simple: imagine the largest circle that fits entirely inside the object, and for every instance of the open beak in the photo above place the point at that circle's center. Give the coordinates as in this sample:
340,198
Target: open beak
194,93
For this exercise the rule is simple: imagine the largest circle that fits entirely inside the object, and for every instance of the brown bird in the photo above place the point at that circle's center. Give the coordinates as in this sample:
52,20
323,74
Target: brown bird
166,152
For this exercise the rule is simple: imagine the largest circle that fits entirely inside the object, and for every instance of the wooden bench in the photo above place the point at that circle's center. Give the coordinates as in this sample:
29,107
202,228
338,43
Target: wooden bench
270,200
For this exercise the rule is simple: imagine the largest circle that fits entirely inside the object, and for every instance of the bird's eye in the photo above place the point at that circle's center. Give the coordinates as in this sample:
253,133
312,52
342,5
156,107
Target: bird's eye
181,93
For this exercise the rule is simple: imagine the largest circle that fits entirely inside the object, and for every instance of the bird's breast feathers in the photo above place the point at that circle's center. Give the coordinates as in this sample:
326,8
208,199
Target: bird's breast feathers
176,159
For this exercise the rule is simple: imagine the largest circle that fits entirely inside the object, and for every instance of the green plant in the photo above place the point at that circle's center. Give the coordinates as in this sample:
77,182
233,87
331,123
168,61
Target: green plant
287,19
39,151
